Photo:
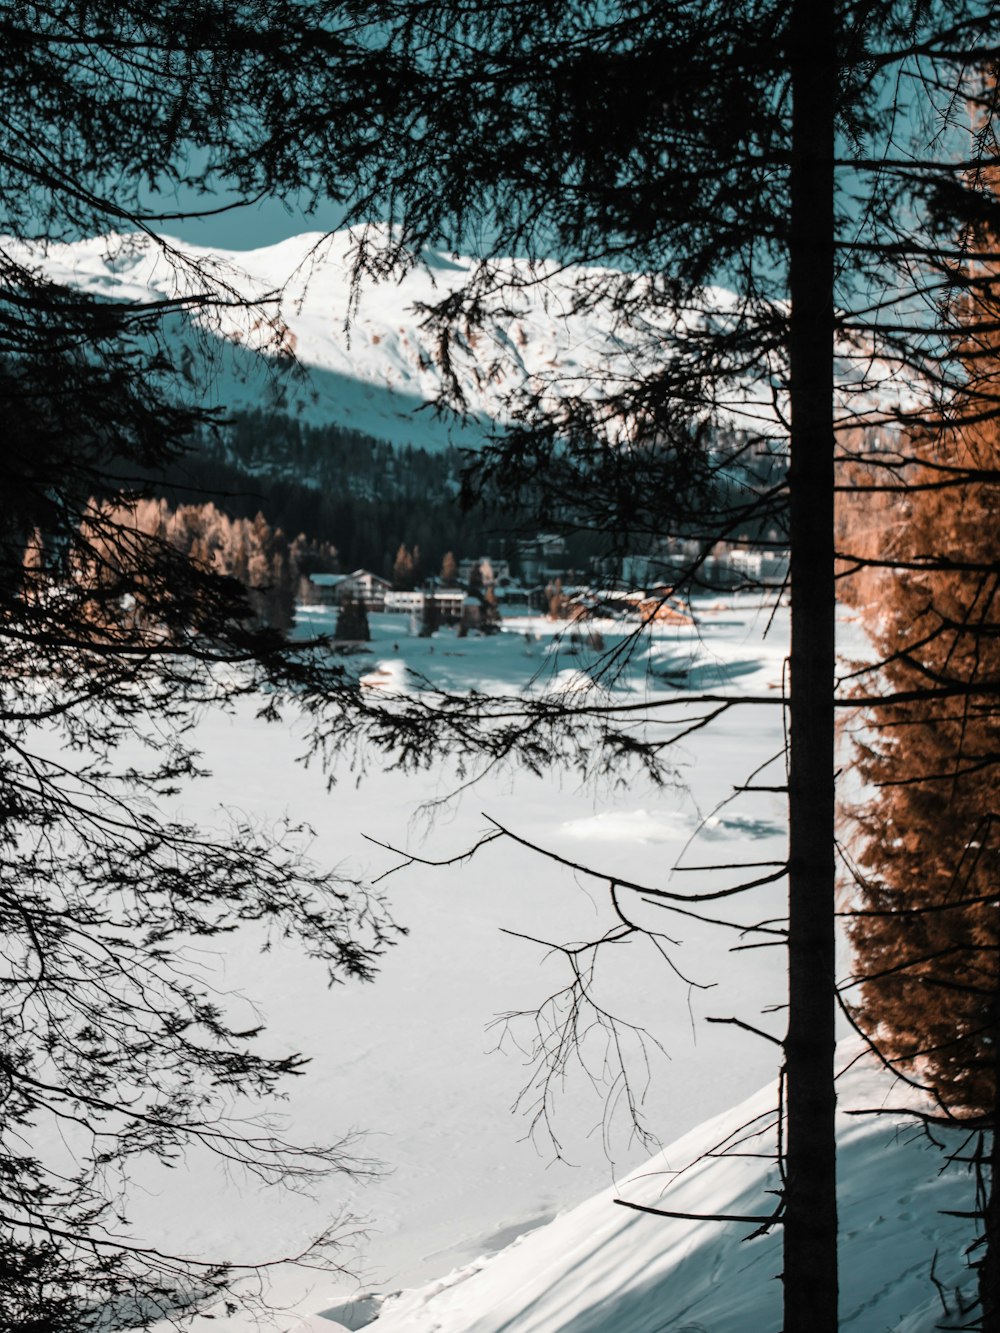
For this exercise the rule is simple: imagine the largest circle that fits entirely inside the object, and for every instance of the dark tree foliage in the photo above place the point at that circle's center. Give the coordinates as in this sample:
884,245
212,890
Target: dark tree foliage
430,621
352,621
761,216
336,485
354,507
112,1047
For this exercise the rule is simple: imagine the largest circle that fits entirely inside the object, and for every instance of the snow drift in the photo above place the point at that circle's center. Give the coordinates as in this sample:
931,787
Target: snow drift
600,1268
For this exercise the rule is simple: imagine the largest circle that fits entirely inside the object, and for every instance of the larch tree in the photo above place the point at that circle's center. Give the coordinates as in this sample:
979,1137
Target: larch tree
926,581
925,929
404,568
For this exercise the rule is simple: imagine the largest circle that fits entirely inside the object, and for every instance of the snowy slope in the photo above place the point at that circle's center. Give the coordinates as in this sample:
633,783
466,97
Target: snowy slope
362,358
369,365
606,1269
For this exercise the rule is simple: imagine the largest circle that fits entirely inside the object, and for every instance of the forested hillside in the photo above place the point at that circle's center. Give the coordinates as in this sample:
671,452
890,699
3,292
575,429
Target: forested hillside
367,497
334,485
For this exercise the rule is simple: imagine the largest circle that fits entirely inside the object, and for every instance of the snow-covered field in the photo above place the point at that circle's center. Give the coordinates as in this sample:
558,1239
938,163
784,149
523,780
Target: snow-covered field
413,1058
485,1218
419,1065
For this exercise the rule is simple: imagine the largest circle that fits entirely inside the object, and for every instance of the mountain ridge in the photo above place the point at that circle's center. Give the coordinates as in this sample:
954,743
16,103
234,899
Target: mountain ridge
317,346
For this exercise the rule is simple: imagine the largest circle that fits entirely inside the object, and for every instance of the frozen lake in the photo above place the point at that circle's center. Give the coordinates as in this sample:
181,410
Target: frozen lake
416,1061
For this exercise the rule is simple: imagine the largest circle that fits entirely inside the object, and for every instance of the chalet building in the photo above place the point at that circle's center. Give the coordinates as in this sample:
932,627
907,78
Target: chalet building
325,588
450,602
404,601
538,556
362,585
509,590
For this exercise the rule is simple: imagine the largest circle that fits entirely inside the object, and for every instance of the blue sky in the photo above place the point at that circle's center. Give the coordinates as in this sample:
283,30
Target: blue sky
245,227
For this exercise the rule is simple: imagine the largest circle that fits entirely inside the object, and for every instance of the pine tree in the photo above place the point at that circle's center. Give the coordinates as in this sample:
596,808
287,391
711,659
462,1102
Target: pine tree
430,620
352,620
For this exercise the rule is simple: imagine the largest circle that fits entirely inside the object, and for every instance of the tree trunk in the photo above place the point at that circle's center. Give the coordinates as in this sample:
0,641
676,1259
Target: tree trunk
810,1231
989,1268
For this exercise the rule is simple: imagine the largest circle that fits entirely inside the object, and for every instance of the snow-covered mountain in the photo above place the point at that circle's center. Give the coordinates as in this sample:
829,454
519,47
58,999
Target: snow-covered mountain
362,359
361,356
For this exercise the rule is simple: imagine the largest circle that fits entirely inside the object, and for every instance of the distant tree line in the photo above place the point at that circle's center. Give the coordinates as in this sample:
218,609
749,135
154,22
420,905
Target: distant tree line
335,485
371,498
250,550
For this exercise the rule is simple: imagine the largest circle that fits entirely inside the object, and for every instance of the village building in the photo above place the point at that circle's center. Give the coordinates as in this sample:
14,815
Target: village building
491,570
413,601
404,601
362,585
538,557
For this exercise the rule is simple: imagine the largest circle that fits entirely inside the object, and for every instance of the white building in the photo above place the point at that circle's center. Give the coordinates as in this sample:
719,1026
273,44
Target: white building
362,585
746,560
449,602
403,601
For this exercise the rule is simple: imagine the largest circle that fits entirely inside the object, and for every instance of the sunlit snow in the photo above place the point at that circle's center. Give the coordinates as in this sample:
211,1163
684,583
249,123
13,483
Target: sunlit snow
420,1064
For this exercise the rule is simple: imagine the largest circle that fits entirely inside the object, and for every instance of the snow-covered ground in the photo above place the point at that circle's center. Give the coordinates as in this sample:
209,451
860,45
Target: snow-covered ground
418,1064
413,1059
599,1268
